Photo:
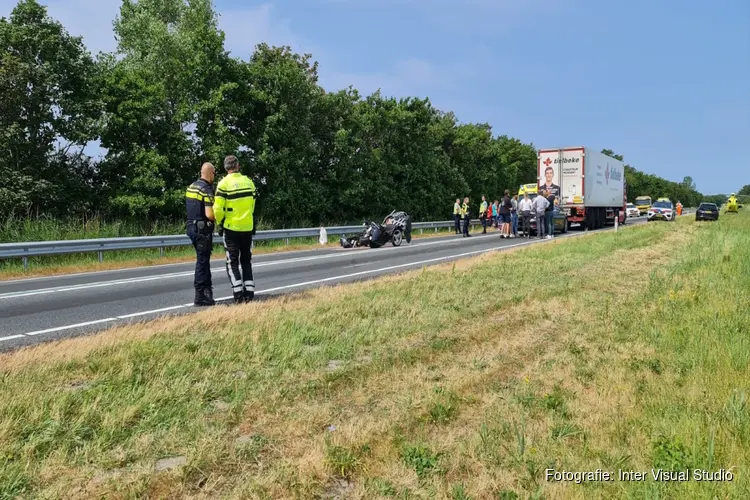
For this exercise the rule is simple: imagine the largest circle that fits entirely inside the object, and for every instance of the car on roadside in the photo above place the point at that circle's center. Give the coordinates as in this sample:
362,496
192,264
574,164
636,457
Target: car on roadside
663,209
559,222
632,211
707,211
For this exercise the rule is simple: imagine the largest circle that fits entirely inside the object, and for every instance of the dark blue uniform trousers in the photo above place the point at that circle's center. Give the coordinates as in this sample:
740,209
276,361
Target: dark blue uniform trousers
203,244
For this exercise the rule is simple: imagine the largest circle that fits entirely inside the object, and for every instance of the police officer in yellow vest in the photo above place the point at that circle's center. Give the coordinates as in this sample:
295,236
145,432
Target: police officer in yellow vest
466,213
457,215
199,200
234,208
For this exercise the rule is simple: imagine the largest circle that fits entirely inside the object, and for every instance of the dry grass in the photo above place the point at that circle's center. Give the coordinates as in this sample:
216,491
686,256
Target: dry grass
472,380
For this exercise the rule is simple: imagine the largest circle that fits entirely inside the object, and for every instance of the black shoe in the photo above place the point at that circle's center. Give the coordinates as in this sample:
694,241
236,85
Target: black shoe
200,298
208,293
238,298
248,296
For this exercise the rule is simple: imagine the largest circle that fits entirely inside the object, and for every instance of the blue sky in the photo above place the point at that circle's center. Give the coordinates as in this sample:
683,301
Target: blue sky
666,83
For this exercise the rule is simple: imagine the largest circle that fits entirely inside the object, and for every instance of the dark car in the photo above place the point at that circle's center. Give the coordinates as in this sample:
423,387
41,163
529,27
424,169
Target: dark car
559,222
707,211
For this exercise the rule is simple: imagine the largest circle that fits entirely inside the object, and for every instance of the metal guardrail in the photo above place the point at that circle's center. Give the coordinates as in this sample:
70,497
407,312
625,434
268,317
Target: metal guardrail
24,250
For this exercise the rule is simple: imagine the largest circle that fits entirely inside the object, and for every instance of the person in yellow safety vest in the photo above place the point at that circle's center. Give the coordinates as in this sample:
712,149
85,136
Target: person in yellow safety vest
234,209
483,214
457,215
466,214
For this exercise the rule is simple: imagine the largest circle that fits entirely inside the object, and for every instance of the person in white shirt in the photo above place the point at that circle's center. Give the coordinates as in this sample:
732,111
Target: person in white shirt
524,209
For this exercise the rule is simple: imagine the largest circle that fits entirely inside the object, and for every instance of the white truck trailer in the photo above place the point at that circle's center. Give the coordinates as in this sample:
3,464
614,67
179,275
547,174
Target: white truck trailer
590,185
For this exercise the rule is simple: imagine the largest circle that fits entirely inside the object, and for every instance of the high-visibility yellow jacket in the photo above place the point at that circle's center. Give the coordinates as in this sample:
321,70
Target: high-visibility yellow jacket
465,209
483,208
456,209
234,202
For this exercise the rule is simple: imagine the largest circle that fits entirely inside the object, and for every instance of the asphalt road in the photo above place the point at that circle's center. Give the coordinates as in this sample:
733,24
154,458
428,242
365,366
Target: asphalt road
43,309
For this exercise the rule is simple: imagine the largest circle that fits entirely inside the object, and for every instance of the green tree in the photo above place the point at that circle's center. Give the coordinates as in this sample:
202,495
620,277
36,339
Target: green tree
744,190
163,98
688,183
47,114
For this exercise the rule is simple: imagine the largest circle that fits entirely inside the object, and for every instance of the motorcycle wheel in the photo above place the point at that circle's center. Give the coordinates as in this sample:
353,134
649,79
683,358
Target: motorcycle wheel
397,237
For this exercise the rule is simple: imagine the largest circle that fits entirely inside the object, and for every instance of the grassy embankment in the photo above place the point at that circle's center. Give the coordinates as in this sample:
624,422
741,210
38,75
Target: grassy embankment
613,351
50,230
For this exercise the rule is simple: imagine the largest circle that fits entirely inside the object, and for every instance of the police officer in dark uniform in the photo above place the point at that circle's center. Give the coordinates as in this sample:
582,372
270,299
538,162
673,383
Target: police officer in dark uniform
199,201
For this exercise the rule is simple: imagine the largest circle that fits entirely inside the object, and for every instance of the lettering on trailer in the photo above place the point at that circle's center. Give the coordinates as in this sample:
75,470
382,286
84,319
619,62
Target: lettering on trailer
612,173
567,160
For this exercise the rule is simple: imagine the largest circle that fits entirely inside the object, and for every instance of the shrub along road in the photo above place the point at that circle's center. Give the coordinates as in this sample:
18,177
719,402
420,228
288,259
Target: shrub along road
614,351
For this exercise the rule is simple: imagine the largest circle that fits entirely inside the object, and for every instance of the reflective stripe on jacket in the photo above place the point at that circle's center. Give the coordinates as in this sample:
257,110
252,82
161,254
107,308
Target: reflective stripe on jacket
234,202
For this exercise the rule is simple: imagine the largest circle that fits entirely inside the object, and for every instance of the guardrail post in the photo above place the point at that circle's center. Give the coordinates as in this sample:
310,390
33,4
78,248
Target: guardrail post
25,263
101,256
161,251
286,241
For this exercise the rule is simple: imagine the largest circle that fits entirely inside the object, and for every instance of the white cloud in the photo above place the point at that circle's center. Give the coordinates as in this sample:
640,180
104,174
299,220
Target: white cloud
244,28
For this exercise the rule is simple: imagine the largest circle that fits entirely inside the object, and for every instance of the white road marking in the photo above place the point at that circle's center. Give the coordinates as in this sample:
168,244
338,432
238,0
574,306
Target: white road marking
12,337
68,327
129,281
173,264
163,309
261,292
295,285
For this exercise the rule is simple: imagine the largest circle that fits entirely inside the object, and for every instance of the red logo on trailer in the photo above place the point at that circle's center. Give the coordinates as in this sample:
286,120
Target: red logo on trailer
547,161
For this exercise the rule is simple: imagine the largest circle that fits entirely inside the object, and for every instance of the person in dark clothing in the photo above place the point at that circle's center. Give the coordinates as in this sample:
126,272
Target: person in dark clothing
199,201
549,214
504,212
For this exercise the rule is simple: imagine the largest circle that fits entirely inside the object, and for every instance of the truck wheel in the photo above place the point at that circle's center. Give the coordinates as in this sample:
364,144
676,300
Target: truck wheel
566,226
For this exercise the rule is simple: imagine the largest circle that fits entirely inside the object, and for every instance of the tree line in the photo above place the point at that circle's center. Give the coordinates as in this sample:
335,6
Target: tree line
643,184
171,97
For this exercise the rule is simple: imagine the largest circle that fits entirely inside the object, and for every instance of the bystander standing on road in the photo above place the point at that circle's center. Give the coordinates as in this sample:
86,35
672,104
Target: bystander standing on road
540,204
525,208
483,214
514,215
504,211
549,214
